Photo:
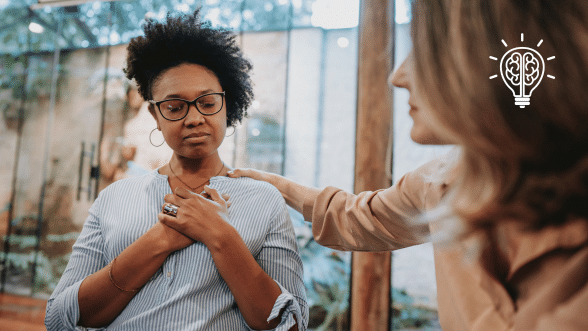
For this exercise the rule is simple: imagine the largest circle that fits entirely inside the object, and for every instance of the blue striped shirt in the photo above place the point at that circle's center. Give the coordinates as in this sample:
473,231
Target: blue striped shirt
187,292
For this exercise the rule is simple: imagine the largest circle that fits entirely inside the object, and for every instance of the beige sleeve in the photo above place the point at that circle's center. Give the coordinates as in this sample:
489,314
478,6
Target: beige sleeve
370,221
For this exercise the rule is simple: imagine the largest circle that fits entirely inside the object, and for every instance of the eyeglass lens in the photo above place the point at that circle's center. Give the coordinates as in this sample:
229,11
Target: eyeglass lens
177,108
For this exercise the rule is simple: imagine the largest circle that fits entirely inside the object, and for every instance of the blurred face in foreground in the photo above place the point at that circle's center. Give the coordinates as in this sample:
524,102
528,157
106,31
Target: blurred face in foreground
420,113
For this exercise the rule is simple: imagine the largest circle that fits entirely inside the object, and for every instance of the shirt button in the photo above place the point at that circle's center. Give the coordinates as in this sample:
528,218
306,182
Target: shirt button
169,273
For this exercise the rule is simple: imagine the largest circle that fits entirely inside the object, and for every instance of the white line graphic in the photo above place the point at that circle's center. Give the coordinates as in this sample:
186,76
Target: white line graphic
522,70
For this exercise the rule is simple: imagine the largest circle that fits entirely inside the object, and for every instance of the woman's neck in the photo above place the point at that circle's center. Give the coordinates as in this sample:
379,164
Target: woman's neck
193,174
204,167
191,171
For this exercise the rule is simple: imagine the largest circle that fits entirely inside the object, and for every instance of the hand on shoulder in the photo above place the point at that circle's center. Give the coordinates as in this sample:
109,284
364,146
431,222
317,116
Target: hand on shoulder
246,172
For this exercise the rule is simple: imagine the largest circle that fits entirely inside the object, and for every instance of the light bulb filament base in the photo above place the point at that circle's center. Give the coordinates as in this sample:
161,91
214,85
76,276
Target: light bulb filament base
522,102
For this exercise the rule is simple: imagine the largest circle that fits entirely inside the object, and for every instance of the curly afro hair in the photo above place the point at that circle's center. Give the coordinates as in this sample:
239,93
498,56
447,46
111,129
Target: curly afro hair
185,39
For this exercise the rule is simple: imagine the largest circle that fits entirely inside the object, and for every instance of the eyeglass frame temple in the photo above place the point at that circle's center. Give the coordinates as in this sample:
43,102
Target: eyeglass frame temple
193,102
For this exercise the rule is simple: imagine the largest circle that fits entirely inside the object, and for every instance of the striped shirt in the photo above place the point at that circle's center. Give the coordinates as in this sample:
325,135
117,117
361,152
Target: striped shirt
187,292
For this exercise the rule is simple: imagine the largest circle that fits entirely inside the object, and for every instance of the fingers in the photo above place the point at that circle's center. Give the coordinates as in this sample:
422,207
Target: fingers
173,223
213,194
178,222
167,220
183,193
226,197
240,173
170,198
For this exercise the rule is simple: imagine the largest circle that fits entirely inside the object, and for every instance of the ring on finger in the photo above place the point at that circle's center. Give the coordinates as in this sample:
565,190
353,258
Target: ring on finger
170,209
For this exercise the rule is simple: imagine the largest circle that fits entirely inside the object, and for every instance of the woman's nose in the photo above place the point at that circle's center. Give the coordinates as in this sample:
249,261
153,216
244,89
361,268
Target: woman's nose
194,117
399,78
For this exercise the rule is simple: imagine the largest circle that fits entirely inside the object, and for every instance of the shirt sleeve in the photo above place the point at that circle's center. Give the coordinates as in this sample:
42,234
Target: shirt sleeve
380,220
62,312
280,259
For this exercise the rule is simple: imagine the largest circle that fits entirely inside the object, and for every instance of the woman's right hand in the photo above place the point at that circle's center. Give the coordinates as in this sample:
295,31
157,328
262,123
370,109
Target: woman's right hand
170,238
251,173
295,194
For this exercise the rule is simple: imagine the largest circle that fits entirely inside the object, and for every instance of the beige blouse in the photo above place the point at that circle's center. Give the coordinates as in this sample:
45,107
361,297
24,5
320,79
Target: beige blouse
545,281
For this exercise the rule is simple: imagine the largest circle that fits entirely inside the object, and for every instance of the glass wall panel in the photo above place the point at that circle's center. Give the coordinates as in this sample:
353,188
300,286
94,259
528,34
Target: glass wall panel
302,125
22,240
54,186
71,184
12,80
414,293
320,151
259,140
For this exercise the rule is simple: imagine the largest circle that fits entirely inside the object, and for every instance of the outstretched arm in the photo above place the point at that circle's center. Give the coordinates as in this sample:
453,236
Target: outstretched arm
368,221
295,194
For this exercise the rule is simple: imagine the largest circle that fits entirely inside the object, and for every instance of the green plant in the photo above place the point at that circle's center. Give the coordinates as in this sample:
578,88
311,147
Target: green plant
326,278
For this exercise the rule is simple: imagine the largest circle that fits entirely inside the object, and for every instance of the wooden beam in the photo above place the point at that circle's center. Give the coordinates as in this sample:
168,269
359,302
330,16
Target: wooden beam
370,280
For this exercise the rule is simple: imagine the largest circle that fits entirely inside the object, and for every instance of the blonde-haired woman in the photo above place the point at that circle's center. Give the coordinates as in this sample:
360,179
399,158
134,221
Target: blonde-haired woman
514,202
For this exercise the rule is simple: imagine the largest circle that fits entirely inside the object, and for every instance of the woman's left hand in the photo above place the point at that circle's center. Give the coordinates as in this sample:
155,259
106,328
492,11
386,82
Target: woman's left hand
200,216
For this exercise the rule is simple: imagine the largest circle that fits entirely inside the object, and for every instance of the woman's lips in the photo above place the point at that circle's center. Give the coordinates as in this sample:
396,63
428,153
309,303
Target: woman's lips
196,137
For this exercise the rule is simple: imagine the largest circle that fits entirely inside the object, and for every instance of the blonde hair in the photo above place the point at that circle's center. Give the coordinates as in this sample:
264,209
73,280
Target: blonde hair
529,164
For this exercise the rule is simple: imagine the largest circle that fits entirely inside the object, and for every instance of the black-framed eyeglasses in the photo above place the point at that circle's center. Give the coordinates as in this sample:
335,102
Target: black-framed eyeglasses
176,109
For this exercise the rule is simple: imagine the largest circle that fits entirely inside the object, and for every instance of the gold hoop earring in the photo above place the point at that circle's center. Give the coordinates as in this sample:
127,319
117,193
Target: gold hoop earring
152,141
232,133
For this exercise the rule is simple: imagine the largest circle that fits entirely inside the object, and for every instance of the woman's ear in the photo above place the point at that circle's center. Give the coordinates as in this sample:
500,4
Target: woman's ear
151,109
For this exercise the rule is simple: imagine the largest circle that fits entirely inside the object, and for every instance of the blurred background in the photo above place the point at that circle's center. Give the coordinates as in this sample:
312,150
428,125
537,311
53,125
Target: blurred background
71,123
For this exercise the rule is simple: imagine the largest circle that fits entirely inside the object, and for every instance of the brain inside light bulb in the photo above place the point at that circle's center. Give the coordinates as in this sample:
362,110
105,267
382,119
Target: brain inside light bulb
522,70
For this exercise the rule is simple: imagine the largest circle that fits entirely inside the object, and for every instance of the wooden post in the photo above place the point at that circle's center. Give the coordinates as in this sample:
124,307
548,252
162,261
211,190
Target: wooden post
370,280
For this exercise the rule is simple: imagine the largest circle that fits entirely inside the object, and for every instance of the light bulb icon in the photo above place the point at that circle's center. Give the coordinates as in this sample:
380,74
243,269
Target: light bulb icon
522,70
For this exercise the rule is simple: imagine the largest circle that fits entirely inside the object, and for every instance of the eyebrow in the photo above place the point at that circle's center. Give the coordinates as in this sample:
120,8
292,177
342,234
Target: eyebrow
177,96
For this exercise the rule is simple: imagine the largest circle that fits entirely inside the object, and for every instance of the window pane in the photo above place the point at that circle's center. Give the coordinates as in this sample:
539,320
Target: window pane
12,80
414,294
320,146
305,86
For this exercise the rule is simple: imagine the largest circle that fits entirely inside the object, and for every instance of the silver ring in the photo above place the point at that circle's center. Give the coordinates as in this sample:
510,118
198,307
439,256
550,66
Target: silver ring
170,209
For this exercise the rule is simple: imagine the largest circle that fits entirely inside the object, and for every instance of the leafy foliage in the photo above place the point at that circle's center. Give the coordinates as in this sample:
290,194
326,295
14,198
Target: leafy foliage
326,278
98,23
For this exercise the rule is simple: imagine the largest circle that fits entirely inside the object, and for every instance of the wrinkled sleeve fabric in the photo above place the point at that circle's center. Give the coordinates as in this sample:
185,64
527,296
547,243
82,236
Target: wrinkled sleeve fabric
280,259
373,220
62,312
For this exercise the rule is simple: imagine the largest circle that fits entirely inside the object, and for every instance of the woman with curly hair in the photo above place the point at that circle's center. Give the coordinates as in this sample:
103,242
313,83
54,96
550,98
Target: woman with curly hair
164,251
508,213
